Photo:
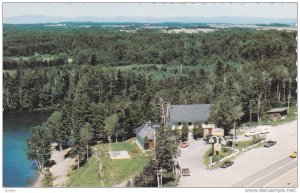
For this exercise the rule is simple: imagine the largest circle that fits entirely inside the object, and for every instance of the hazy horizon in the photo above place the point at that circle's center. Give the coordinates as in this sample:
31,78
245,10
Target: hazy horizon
158,10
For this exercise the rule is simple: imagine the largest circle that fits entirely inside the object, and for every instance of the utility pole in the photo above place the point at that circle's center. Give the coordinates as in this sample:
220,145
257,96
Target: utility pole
233,144
109,143
289,97
154,140
161,176
157,175
181,68
250,115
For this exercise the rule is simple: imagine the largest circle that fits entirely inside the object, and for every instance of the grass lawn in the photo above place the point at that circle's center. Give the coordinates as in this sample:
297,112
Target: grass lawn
208,153
159,71
43,57
117,171
243,144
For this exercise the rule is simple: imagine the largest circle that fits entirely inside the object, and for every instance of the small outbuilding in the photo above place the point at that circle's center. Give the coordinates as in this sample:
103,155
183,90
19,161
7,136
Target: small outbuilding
277,113
145,135
207,129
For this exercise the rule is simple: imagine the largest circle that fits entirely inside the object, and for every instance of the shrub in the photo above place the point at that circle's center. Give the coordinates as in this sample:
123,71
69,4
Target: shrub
198,131
184,132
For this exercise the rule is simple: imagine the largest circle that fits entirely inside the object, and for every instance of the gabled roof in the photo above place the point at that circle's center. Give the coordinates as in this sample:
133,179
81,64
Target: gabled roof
189,113
278,110
147,130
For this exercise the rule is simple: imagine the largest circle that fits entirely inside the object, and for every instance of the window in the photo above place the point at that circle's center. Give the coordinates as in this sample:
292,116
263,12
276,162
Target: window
189,123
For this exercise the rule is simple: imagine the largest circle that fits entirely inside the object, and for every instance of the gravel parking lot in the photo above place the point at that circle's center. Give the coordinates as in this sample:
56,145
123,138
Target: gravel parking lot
245,165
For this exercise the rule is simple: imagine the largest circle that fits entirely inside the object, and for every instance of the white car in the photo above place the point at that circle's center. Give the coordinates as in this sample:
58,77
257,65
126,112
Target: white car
265,131
251,133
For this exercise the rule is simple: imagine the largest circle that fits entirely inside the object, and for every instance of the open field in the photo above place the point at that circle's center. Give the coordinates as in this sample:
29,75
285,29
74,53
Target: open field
117,171
43,57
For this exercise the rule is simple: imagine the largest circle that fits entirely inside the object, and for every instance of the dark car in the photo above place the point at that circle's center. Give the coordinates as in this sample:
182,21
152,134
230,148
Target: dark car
270,143
185,172
227,164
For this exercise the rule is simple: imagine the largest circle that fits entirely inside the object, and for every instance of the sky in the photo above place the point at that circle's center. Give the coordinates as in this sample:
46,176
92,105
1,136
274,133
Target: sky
257,10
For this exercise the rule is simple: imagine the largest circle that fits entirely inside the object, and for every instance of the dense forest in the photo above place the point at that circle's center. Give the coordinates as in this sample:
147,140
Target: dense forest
94,78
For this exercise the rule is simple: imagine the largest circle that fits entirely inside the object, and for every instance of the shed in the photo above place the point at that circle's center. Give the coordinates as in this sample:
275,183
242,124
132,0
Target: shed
207,129
145,135
277,113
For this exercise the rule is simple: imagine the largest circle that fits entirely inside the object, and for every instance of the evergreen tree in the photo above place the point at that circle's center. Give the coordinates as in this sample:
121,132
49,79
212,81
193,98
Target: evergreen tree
198,131
184,132
39,147
55,126
99,112
93,60
86,136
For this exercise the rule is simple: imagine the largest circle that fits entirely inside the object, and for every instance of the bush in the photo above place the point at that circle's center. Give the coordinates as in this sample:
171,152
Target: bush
47,180
184,132
198,132
256,139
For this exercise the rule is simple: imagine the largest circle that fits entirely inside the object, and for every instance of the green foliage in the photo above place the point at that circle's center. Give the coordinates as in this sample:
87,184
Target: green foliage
148,177
165,152
86,134
184,132
47,180
198,131
111,124
58,130
39,147
256,139
206,157
117,171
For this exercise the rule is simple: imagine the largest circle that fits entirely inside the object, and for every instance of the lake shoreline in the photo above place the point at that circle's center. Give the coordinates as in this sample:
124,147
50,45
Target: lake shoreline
51,109
59,170
38,182
18,170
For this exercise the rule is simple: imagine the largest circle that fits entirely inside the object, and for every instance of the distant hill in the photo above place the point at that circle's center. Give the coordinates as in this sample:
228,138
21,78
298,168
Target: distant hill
33,19
273,25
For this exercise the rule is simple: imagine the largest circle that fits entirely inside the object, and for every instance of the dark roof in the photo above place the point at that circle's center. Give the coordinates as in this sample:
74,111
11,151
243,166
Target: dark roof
278,110
147,130
189,113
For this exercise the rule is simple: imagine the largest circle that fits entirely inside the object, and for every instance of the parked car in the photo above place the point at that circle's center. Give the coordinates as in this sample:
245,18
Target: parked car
185,172
230,136
184,144
293,155
209,139
227,164
264,130
206,138
251,133
270,143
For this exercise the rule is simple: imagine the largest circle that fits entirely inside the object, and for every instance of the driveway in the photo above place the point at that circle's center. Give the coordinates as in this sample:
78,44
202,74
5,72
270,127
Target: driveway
245,165
191,156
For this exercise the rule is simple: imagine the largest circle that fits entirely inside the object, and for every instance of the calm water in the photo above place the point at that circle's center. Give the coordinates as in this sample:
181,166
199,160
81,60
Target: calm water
17,170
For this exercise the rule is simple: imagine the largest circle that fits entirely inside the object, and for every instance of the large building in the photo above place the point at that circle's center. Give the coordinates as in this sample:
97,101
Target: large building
188,114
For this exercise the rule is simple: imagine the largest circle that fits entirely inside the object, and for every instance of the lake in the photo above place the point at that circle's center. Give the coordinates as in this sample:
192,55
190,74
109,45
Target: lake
18,171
